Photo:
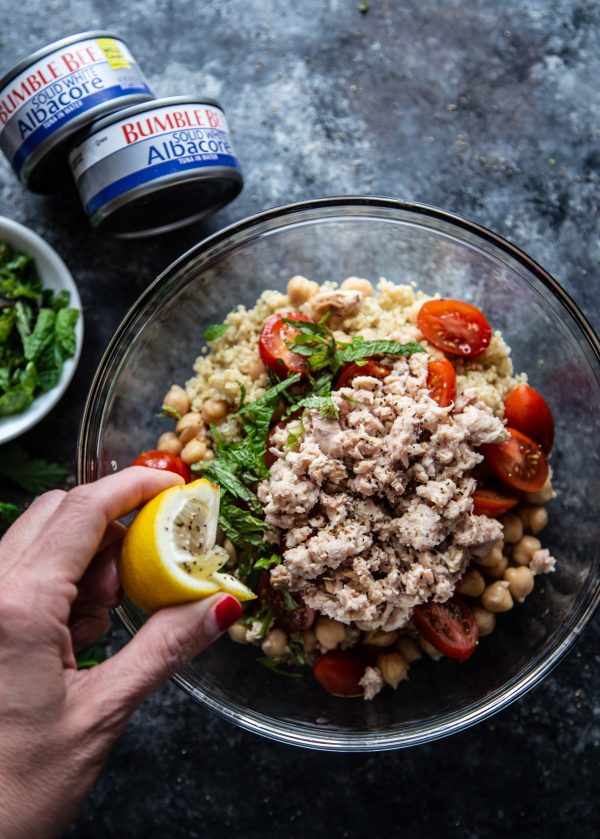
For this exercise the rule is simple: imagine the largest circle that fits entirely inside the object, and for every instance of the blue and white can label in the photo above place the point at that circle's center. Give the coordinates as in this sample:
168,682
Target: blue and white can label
160,143
62,85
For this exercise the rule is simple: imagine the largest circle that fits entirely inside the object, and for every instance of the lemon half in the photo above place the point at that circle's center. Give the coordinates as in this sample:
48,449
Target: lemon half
169,554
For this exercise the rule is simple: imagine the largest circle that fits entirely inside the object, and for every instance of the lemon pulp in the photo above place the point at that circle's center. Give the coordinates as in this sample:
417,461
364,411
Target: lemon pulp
169,554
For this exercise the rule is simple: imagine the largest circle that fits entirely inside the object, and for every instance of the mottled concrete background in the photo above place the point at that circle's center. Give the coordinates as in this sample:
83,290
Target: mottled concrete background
487,109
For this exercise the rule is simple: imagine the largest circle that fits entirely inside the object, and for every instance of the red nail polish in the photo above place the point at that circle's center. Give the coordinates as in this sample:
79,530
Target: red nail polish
227,611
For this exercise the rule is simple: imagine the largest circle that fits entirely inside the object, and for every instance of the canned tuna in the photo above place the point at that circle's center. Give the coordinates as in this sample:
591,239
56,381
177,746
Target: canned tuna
56,92
157,166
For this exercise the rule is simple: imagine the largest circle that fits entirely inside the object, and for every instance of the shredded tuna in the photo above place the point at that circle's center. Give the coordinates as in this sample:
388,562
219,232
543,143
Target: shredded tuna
376,507
371,682
542,562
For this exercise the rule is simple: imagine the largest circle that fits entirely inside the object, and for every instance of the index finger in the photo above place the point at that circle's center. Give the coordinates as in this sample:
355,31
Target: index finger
73,536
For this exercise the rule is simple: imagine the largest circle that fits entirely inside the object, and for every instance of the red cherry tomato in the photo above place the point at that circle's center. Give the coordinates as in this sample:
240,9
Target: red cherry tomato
292,620
441,381
519,462
455,327
166,461
340,671
273,350
371,368
493,501
527,411
451,627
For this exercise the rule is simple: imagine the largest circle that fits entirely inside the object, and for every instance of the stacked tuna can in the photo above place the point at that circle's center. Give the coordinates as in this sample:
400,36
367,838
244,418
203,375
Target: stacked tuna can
142,165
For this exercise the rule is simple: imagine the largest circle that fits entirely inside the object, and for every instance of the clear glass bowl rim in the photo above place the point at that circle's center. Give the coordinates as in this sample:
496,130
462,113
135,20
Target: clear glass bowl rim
304,735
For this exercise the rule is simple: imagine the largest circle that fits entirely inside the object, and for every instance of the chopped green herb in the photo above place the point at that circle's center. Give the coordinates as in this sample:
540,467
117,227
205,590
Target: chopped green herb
363,7
324,404
167,411
33,474
271,665
359,349
37,332
294,434
296,645
266,562
9,512
92,655
290,604
217,330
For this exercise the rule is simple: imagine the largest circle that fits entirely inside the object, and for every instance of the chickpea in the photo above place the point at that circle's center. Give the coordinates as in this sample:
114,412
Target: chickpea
176,398
299,290
520,582
491,558
472,584
358,284
486,621
330,633
379,638
408,649
169,442
215,410
238,633
535,518
513,528
431,651
275,643
230,548
496,571
310,641
188,426
393,668
525,549
256,368
193,451
546,493
496,597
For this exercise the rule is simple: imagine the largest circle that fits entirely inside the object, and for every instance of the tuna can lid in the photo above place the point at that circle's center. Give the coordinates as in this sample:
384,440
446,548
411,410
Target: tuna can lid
55,45
169,203
148,105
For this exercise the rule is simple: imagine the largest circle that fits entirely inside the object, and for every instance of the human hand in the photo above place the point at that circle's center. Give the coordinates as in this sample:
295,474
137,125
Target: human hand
58,577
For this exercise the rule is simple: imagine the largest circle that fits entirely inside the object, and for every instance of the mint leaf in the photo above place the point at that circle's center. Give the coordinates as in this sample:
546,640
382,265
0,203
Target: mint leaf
266,562
217,330
41,335
290,604
359,348
323,404
66,320
272,665
9,512
33,474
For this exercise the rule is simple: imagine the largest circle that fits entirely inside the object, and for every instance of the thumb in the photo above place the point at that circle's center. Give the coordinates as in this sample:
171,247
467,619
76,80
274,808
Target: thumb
167,641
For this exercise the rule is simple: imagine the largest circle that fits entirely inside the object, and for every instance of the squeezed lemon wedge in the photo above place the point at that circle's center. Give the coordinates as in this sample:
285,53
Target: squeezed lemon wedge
169,554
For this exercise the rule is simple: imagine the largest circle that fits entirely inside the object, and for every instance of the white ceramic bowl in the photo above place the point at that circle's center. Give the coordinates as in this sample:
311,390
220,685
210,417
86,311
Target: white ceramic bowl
55,275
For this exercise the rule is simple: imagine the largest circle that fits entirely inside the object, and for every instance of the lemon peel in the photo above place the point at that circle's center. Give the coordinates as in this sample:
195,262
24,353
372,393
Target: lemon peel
169,554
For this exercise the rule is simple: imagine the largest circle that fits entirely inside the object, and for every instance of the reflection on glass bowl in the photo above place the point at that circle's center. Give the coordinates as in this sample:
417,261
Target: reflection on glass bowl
328,240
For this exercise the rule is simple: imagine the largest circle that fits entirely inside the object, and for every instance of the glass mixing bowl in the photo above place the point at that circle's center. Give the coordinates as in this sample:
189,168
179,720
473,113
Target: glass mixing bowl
330,239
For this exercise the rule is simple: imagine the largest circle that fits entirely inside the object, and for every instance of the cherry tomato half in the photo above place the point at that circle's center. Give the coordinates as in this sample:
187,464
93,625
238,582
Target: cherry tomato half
493,501
292,620
340,671
441,381
526,410
519,462
165,461
273,350
451,627
455,327
371,368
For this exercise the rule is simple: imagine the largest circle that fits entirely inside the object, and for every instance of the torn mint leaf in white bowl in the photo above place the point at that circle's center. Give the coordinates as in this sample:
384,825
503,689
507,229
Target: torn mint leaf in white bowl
41,328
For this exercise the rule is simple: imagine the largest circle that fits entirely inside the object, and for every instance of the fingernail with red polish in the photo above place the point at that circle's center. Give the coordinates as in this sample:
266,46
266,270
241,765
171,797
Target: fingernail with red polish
227,611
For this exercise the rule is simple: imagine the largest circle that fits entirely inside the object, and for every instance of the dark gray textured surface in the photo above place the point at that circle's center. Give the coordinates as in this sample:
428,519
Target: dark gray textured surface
490,110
